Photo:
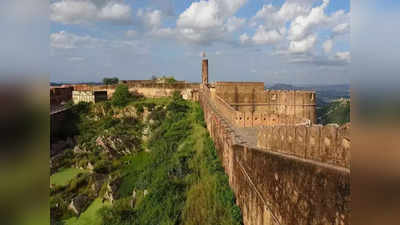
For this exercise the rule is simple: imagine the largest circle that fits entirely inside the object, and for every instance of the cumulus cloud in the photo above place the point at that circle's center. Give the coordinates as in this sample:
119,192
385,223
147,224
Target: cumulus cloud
302,26
206,21
263,36
87,11
150,18
342,28
273,17
115,12
234,23
343,56
244,38
303,46
65,40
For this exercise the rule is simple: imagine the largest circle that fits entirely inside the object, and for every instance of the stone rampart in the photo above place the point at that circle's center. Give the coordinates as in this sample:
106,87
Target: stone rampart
148,89
329,144
258,107
273,188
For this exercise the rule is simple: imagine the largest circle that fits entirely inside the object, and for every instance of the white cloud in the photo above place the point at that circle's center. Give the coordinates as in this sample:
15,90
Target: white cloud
218,53
207,21
115,12
327,46
163,33
86,11
303,46
343,56
342,28
273,17
201,15
263,36
150,18
234,23
302,26
65,40
244,38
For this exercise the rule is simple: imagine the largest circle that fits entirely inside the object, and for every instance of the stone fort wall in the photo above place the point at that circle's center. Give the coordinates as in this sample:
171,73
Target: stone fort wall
258,107
328,144
148,89
273,187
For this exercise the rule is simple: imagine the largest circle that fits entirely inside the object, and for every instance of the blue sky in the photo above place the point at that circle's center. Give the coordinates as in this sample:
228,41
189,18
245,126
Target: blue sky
275,41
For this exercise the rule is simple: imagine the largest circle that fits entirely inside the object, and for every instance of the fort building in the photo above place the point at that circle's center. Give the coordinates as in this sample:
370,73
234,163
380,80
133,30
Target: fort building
89,96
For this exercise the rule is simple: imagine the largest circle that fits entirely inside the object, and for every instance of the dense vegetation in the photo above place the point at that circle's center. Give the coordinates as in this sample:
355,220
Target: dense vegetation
110,80
121,96
160,159
335,112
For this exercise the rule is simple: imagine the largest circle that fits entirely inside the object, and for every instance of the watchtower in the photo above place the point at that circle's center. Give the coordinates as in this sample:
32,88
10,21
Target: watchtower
204,74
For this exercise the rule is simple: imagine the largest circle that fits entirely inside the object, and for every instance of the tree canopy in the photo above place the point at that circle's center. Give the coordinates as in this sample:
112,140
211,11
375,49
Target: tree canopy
110,80
121,96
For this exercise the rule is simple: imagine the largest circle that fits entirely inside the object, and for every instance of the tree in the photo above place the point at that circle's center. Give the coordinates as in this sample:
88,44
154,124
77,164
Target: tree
110,80
121,96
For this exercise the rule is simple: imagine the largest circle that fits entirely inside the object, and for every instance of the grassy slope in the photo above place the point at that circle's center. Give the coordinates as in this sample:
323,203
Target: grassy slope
335,112
89,217
184,178
64,176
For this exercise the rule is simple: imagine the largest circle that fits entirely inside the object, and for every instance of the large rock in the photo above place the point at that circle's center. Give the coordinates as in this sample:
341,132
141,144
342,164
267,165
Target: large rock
80,149
133,200
79,204
97,181
112,190
114,145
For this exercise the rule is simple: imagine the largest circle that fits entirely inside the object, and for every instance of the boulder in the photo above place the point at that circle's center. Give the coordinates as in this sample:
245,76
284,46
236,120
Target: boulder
90,166
79,204
112,190
115,146
133,200
79,149
97,181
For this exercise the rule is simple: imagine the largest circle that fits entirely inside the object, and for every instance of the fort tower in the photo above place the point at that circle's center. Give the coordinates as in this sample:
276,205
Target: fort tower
204,74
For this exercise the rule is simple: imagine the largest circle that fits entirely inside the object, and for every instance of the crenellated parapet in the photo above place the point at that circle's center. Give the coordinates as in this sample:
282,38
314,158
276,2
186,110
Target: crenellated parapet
327,144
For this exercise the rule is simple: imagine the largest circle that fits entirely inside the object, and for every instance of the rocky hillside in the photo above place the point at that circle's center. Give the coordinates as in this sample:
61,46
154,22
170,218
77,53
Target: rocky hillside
337,111
149,162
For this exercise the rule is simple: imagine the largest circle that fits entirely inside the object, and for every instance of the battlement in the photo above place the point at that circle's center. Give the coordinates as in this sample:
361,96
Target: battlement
328,144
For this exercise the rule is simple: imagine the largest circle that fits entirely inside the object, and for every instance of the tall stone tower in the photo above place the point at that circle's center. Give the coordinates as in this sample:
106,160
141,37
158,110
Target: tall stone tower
204,74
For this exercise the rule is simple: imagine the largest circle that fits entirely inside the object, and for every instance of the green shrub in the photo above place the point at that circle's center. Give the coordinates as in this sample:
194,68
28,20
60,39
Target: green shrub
110,80
121,96
119,214
102,166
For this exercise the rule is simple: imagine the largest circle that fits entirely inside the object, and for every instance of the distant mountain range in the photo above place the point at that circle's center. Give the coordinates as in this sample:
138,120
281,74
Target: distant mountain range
325,93
62,83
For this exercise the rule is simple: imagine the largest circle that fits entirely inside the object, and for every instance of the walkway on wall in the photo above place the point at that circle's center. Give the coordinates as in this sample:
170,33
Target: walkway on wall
247,134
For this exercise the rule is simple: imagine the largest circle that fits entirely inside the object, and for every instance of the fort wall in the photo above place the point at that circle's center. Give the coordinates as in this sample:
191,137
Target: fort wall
259,107
89,96
149,89
328,144
274,188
